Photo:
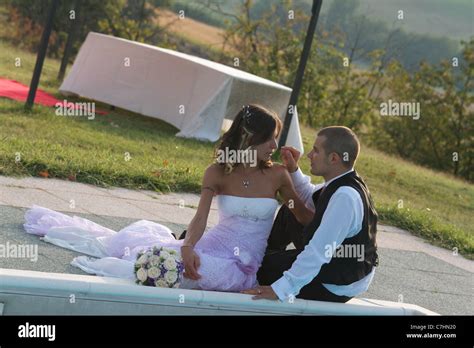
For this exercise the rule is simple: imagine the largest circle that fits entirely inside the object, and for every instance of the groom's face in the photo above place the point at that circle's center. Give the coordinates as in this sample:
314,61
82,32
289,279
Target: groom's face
318,157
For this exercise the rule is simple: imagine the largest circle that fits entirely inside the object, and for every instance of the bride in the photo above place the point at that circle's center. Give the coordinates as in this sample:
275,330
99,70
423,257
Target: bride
225,258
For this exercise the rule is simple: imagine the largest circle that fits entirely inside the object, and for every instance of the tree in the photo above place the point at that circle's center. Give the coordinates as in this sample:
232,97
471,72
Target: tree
130,19
270,46
443,137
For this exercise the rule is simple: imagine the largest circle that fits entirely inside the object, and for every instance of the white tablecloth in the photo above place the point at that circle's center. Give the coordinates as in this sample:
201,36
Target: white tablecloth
193,94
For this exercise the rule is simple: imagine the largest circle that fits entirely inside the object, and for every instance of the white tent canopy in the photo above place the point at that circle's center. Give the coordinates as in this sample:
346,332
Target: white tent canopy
193,94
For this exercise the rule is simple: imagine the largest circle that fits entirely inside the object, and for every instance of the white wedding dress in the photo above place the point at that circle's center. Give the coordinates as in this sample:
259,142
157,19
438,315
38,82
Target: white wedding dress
230,253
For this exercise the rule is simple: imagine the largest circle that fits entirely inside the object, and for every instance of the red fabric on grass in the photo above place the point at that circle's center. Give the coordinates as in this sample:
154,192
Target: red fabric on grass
15,90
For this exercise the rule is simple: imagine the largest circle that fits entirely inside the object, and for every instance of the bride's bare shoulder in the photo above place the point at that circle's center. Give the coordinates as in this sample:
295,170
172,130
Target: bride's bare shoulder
212,178
214,174
278,166
214,170
279,173
278,169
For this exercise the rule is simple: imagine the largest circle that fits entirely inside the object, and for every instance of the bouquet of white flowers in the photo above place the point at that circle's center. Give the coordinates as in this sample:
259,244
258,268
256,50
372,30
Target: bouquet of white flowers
159,267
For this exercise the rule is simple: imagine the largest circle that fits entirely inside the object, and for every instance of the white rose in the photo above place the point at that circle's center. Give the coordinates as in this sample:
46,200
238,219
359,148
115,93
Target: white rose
171,277
153,272
175,257
170,264
164,254
142,275
142,259
161,283
154,261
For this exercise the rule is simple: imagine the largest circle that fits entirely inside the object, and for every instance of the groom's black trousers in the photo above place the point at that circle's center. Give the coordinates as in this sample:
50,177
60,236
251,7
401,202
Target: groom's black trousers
286,229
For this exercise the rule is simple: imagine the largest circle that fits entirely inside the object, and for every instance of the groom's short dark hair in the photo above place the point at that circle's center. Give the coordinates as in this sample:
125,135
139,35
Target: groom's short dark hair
343,141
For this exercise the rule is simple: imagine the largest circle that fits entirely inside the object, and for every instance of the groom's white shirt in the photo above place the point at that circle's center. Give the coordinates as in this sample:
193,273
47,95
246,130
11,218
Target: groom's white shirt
342,219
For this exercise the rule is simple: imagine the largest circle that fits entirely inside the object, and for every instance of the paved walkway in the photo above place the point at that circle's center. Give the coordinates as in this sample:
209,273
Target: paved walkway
410,269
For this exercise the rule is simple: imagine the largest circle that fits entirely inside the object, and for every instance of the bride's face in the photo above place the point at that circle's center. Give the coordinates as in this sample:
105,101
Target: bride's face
266,149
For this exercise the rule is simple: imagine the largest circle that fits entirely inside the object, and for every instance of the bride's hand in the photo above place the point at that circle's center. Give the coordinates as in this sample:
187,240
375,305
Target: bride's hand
191,263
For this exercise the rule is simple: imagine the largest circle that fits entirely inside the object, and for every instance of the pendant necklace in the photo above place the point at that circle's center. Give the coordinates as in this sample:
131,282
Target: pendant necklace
245,182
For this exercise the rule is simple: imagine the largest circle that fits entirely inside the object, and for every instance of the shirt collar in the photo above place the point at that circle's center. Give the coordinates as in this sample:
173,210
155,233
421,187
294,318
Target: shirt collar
337,177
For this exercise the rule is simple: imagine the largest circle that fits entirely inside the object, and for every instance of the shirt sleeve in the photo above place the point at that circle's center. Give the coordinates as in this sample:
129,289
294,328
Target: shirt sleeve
342,216
304,188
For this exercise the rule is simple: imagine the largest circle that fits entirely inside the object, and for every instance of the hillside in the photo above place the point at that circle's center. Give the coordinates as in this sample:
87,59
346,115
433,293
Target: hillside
452,19
195,31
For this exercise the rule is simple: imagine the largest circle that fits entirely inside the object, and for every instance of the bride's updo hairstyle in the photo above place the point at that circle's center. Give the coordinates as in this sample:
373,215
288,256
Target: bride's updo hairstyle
253,125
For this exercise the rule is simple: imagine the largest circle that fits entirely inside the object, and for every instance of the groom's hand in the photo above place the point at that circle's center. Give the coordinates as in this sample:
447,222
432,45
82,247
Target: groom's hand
290,157
261,292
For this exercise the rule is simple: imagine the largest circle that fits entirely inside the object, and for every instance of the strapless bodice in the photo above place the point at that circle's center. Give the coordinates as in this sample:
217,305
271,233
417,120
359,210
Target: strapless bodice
247,207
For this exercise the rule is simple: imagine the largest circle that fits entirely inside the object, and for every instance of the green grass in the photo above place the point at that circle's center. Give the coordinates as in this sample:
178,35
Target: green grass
436,206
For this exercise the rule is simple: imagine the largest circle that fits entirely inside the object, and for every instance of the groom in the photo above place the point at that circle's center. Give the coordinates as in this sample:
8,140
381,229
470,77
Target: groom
336,253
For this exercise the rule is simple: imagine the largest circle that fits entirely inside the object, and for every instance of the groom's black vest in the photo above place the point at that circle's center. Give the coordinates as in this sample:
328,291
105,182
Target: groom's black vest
346,268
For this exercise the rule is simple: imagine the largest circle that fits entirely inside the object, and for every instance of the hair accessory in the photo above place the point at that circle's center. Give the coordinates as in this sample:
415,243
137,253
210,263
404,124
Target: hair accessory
247,114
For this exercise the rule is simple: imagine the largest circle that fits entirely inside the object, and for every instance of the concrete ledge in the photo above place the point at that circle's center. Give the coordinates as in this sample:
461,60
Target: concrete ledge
40,293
